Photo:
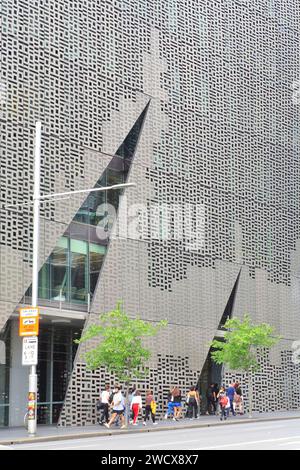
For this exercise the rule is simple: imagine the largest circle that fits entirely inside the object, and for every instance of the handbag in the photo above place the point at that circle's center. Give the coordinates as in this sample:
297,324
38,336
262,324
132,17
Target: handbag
153,407
99,405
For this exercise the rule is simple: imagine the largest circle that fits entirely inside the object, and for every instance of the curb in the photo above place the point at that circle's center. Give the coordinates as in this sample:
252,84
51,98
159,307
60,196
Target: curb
30,440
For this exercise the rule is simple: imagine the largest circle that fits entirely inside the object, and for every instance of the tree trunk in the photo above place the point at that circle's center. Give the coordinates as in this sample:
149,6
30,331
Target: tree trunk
127,411
250,393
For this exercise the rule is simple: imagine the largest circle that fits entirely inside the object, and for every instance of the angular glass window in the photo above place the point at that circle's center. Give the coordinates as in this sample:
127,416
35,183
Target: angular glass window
59,271
71,272
79,271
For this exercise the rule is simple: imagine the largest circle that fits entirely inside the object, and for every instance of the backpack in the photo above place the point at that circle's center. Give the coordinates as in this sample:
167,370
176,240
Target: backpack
223,401
111,397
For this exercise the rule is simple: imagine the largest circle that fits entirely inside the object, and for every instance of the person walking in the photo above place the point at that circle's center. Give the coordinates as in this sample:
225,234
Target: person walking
211,400
130,414
118,408
177,399
150,408
238,400
170,404
193,403
224,403
104,417
230,394
136,406
216,392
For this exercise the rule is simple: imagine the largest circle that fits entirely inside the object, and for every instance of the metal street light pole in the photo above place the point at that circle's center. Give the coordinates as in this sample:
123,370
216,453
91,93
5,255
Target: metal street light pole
37,198
35,273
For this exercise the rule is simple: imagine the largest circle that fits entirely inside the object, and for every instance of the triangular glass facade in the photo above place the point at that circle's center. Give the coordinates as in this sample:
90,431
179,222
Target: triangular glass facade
71,272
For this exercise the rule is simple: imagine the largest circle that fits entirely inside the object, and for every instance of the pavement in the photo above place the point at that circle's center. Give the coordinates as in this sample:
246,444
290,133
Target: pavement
181,444
12,436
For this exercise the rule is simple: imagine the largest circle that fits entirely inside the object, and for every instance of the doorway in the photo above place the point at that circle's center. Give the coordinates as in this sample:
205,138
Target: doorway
57,352
211,373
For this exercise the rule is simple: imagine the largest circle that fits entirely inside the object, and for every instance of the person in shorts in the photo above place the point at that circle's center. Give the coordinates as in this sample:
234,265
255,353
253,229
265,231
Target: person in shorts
118,408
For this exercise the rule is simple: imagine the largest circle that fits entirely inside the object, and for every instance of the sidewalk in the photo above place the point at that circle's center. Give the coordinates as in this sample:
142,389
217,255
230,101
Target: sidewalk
10,436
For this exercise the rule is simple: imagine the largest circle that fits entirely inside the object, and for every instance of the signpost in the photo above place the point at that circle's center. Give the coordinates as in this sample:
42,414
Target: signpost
30,351
29,317
29,322
29,330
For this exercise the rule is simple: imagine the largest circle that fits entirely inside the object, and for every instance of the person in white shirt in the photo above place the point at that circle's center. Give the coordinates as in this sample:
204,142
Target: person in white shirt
105,405
136,406
118,408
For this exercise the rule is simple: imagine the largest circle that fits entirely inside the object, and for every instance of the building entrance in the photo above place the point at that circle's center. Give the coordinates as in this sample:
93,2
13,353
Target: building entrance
56,356
211,374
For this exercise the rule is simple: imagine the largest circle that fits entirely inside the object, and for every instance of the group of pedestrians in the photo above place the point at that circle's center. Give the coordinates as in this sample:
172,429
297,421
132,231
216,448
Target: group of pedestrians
222,401
175,404
113,408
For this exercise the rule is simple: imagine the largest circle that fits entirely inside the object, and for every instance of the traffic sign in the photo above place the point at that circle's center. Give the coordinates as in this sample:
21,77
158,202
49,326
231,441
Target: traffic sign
29,321
30,351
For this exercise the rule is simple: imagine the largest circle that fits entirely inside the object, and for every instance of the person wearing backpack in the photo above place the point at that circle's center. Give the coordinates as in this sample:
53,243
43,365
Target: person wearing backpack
118,408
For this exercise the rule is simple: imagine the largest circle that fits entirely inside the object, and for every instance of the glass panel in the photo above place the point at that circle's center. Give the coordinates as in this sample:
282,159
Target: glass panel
56,355
113,178
87,212
4,376
79,271
44,372
44,413
44,282
96,200
59,271
97,254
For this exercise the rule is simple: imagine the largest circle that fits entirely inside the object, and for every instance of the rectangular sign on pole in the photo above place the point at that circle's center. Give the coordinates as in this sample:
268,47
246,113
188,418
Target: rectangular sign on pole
30,351
29,322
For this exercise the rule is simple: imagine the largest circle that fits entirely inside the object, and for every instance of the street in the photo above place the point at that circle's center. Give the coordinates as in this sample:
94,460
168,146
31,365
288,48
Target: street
277,435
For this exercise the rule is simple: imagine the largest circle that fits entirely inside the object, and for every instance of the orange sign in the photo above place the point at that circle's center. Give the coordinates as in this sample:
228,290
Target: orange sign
29,321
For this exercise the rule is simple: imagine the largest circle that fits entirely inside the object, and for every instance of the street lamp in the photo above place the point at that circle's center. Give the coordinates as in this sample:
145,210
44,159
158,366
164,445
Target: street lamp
37,198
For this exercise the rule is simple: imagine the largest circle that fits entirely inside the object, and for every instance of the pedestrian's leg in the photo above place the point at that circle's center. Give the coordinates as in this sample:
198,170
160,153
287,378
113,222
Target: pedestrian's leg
134,413
232,407
146,414
101,420
106,417
113,417
195,410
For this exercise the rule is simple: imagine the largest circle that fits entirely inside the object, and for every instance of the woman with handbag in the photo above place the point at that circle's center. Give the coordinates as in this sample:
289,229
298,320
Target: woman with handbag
193,403
150,408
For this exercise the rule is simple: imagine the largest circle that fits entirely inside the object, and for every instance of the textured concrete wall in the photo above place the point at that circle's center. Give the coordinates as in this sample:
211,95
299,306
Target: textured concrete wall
221,133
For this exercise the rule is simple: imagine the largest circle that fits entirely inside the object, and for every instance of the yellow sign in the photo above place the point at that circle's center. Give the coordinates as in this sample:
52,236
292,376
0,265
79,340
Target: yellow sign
29,321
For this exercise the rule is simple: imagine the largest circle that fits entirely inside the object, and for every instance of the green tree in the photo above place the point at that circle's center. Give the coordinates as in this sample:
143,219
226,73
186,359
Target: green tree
238,350
121,348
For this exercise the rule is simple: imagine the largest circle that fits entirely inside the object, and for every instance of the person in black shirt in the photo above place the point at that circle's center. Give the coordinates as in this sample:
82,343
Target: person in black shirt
211,400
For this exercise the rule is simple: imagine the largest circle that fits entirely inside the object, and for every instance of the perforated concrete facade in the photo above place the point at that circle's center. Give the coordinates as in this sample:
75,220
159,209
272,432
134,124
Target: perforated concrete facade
221,132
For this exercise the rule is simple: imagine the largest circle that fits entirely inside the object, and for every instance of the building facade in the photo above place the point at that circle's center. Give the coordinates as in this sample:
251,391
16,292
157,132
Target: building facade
196,103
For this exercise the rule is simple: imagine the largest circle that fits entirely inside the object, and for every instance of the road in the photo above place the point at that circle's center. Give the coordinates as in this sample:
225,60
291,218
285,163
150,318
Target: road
277,435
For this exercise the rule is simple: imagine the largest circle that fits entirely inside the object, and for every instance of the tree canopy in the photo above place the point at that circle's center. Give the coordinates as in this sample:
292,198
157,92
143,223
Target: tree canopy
238,350
121,348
